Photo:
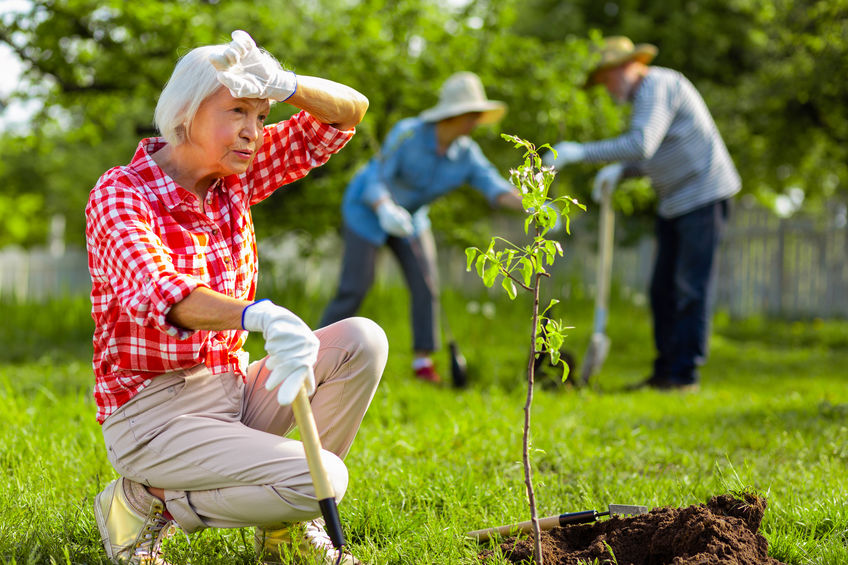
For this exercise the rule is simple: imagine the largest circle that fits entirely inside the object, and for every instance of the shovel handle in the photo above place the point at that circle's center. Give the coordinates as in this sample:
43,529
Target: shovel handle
603,272
323,487
547,523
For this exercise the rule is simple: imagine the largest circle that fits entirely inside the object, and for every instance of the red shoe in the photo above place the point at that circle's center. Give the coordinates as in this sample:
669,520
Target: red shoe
428,373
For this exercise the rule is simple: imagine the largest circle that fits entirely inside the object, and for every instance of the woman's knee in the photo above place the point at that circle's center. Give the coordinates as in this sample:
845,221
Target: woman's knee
337,476
336,472
299,503
370,340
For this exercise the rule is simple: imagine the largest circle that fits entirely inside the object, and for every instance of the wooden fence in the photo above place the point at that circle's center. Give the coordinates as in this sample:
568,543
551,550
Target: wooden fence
787,267
796,267
39,274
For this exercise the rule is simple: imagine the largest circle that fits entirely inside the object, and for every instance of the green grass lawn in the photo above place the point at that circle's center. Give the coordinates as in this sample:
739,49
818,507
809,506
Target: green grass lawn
432,463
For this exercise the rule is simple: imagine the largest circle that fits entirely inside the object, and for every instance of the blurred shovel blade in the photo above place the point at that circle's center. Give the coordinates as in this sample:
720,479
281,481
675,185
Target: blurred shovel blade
459,369
596,354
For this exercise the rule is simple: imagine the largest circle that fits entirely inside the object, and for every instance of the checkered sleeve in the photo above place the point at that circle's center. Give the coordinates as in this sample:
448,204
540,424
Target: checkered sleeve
290,150
125,250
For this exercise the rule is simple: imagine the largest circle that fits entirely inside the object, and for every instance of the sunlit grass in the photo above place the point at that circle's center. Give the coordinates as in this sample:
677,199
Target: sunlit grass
431,463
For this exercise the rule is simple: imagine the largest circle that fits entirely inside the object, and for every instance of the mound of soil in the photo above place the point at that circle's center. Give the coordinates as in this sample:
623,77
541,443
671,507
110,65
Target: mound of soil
725,531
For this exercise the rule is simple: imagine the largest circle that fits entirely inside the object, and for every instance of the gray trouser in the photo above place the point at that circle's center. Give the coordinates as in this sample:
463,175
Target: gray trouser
214,442
417,258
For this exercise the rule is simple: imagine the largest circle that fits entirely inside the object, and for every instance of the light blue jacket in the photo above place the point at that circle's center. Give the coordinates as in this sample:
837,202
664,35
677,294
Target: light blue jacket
413,174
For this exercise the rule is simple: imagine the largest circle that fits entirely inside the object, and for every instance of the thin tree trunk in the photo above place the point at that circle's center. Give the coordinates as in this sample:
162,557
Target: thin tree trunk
528,473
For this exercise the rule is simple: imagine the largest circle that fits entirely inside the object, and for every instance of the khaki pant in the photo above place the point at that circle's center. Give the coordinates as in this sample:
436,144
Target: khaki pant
215,444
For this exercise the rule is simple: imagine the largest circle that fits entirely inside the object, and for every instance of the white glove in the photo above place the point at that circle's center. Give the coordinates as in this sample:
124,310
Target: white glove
394,219
250,72
421,220
606,180
567,152
292,348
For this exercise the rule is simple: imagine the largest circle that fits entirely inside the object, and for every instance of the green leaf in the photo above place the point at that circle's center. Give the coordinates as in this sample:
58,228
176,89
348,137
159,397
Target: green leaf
470,253
506,262
555,339
548,216
552,249
527,222
526,267
514,139
551,304
558,248
509,287
481,265
490,274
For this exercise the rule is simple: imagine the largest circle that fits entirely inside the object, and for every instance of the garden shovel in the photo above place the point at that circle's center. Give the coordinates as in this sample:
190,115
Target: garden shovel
599,343
551,522
323,487
459,368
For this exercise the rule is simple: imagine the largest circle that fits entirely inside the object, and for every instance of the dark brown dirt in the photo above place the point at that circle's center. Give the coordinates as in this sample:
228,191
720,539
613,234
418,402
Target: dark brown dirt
725,531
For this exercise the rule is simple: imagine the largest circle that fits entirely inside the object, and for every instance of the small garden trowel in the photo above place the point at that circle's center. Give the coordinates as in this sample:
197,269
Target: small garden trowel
551,522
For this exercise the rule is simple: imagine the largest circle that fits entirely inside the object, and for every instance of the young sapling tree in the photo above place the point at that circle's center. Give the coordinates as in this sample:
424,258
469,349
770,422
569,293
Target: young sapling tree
524,267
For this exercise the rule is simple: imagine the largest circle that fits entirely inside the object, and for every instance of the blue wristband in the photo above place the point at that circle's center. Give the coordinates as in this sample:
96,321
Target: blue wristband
245,310
293,91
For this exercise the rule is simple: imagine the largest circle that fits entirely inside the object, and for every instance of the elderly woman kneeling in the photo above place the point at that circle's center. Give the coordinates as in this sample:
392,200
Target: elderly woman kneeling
195,431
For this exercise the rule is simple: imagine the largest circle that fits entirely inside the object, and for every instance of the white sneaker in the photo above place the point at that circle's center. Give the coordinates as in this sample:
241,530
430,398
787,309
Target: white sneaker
314,546
130,537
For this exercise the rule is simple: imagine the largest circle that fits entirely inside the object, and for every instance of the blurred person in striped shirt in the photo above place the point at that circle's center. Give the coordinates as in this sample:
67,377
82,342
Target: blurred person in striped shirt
672,140
196,433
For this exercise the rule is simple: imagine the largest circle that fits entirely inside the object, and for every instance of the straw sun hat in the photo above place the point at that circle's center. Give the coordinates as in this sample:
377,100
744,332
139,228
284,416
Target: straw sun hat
462,93
618,50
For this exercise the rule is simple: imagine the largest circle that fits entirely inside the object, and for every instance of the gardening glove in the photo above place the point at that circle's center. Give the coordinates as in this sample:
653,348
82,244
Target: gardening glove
250,72
421,220
567,152
393,219
292,348
606,180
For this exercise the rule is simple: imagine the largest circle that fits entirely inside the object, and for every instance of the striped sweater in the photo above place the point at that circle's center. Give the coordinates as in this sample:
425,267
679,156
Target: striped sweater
672,140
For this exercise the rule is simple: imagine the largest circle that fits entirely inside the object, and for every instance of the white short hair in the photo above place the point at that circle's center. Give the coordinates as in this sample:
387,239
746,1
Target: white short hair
194,79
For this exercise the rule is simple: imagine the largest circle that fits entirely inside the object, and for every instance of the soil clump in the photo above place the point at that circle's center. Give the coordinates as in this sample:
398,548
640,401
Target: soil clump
724,531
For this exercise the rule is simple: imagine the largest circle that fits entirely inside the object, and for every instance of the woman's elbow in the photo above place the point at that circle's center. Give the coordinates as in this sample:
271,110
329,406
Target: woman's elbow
359,105
351,112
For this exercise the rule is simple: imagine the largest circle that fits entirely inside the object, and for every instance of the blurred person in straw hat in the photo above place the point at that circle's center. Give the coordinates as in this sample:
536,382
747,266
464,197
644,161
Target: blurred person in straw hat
672,140
386,203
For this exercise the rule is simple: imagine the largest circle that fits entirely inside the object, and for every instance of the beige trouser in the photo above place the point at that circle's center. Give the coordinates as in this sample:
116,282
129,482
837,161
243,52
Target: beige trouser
215,444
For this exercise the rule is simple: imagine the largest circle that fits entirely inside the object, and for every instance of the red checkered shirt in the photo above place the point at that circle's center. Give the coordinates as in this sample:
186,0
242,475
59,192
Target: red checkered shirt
150,245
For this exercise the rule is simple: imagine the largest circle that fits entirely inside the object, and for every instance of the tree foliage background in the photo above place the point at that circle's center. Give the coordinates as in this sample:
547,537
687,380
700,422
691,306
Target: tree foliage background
771,71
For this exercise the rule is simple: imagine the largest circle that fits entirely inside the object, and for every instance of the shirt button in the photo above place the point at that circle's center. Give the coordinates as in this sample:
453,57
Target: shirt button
214,232
227,260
